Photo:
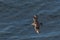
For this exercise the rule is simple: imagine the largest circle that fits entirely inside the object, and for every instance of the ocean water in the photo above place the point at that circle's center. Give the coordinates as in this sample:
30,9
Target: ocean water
16,19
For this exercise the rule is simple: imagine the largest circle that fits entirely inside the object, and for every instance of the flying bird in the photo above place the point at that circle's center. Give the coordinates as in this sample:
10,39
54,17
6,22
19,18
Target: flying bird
36,24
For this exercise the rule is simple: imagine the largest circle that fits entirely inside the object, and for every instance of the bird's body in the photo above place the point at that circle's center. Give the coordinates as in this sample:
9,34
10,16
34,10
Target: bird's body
36,23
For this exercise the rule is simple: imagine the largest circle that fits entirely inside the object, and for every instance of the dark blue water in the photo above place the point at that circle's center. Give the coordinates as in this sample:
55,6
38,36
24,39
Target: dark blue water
16,19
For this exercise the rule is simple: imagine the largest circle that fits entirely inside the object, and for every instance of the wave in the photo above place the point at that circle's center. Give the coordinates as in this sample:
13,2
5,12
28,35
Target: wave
41,35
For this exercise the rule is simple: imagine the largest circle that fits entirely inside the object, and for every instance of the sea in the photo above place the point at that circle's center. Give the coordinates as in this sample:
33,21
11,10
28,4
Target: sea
16,17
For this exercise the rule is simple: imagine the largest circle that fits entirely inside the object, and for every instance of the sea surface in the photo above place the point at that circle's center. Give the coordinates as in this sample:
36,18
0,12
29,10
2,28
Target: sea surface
16,17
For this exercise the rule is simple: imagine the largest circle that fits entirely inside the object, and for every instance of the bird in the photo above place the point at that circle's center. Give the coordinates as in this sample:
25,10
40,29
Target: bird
36,24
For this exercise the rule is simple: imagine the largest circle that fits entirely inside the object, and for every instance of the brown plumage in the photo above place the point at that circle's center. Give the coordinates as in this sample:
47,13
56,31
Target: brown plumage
36,23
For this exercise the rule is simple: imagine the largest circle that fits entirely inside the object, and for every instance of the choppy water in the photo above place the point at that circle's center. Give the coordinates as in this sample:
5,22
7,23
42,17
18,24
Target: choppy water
16,18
